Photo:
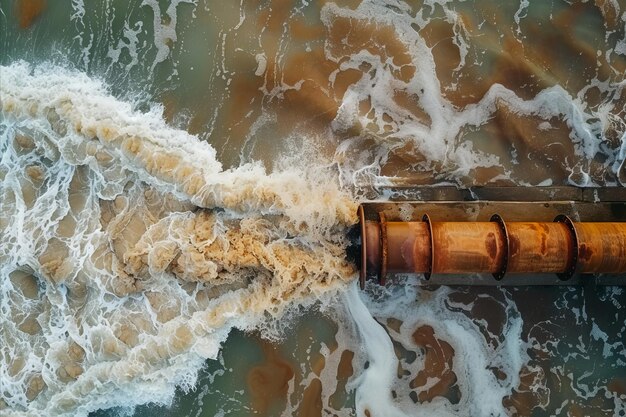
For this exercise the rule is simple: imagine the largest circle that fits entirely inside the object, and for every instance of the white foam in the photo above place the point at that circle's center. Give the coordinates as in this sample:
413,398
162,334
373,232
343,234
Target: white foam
440,138
164,31
115,287
481,393
117,284
521,13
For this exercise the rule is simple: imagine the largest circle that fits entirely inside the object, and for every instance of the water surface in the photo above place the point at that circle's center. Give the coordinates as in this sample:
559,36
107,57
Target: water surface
178,180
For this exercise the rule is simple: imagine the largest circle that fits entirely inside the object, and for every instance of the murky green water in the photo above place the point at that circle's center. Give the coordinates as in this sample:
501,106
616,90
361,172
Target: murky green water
331,102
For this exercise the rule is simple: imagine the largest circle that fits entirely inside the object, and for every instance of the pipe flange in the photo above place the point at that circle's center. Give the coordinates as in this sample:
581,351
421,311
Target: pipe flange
363,271
426,219
382,274
505,259
572,263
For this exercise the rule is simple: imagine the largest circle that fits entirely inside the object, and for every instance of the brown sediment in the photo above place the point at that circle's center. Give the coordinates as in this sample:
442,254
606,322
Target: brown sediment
131,326
347,36
345,368
344,371
56,264
318,363
394,324
35,173
28,323
524,67
310,101
35,385
311,405
617,385
586,63
403,160
71,362
438,362
302,31
528,395
609,12
26,283
469,84
165,308
310,105
27,11
411,103
269,382
24,142
171,106
541,153
438,36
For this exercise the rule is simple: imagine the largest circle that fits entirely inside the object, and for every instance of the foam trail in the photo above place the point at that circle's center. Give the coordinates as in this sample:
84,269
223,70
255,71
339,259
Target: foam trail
171,160
116,279
454,350
374,385
437,133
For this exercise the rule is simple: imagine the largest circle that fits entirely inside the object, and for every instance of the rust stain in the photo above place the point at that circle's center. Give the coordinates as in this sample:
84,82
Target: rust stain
27,11
491,245
585,252
544,246
514,245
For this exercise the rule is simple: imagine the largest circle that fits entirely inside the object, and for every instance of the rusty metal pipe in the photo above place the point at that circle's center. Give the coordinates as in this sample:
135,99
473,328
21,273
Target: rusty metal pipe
561,247
601,247
538,247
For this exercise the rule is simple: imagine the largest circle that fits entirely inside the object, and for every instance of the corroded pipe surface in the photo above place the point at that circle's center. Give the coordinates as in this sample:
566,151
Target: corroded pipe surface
561,247
461,247
601,247
538,247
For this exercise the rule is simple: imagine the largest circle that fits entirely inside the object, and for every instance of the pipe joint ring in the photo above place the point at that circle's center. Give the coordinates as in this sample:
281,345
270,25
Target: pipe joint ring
363,271
505,257
427,274
572,262
382,275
